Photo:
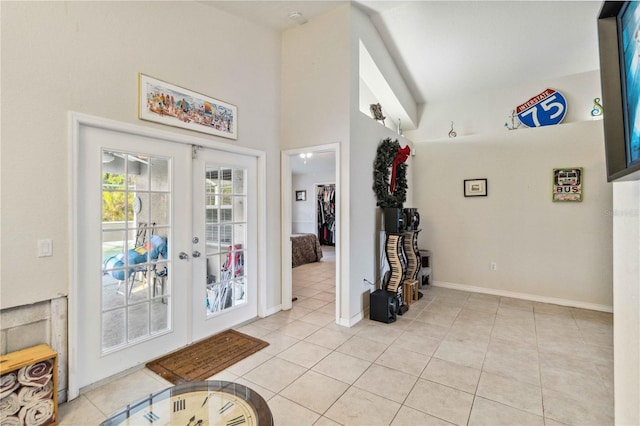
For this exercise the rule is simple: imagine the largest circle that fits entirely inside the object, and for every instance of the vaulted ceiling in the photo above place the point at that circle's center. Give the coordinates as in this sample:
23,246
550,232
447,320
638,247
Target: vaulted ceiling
445,48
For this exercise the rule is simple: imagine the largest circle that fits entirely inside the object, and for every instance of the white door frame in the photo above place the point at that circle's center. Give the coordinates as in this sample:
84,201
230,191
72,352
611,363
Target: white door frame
286,216
78,120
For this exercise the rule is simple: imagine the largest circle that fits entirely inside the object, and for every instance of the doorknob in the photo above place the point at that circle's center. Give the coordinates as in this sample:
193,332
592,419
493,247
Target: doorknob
196,253
183,255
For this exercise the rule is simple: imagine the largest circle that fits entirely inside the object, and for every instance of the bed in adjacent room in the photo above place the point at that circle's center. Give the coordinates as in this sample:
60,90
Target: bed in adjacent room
305,248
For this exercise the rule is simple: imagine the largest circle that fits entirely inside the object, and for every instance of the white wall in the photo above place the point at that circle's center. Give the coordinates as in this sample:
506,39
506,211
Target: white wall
362,29
558,252
626,301
315,104
483,112
320,105
315,67
366,218
366,135
85,56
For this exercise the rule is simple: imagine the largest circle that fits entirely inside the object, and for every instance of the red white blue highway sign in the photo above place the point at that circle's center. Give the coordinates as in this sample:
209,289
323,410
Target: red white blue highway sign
545,109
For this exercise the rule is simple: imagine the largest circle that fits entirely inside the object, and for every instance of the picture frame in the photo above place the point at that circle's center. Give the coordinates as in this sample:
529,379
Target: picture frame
567,184
475,188
301,195
172,105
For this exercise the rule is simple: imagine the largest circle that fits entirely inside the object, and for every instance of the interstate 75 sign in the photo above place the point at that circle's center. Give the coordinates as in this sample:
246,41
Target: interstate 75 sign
545,109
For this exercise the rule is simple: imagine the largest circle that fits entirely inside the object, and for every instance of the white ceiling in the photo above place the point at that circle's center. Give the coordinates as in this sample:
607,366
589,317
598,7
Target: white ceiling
444,48
274,14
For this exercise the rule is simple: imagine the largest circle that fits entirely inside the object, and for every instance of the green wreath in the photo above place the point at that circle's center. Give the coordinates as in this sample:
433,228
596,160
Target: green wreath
387,152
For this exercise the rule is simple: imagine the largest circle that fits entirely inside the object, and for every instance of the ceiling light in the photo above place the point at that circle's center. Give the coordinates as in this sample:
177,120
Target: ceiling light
298,18
306,155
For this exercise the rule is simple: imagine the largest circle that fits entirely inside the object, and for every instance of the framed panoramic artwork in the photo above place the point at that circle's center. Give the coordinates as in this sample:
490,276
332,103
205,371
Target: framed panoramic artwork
301,195
567,184
475,188
166,103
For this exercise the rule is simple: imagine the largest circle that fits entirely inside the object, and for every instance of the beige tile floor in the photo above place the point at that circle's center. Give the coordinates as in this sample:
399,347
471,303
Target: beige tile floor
453,358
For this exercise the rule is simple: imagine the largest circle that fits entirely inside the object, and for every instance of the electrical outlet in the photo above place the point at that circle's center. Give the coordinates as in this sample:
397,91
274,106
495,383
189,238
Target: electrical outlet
493,266
45,248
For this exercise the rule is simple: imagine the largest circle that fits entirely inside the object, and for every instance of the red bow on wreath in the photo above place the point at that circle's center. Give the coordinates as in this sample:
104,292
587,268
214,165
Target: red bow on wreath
403,154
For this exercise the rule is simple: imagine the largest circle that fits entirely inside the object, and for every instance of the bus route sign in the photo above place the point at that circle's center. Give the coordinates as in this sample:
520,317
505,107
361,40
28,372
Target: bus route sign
545,109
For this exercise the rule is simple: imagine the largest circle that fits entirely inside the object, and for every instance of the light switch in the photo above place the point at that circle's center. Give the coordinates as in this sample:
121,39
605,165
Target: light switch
45,248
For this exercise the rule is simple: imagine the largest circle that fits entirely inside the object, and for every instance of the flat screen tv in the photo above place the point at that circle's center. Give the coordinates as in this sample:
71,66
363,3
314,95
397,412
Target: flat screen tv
619,40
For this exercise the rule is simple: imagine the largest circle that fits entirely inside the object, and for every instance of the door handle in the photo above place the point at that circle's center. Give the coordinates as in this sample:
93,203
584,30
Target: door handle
196,253
183,256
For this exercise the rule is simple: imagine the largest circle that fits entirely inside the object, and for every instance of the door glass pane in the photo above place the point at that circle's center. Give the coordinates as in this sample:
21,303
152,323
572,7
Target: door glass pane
114,335
239,212
159,317
159,208
239,233
159,171
136,207
225,231
239,182
138,321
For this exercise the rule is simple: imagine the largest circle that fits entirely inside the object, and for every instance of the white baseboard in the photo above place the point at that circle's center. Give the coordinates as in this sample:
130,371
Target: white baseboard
343,322
272,310
524,296
350,322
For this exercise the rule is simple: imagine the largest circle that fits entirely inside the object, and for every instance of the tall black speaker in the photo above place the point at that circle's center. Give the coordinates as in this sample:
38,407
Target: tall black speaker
394,220
383,306
412,218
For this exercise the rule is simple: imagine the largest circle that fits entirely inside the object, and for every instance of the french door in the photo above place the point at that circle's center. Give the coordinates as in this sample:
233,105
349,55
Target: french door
224,216
165,248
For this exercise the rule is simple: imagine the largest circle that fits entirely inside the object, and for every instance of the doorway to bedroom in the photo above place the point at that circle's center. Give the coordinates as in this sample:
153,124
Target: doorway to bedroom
311,243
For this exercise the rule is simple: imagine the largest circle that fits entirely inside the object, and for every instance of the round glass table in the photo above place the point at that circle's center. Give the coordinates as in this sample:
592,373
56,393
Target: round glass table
213,402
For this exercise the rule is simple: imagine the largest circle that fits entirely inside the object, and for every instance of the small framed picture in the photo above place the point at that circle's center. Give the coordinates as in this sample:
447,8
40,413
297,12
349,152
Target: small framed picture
301,195
475,188
567,184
